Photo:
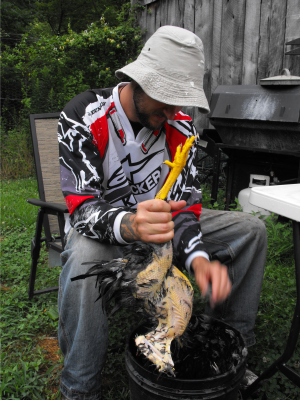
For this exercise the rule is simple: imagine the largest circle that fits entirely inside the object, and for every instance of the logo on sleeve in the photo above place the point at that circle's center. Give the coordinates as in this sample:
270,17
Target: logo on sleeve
193,243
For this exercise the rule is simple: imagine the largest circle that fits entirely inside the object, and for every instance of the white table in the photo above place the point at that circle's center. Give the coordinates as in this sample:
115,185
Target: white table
283,200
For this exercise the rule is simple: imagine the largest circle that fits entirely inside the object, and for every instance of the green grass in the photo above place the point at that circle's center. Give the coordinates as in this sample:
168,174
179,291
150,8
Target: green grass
277,305
25,369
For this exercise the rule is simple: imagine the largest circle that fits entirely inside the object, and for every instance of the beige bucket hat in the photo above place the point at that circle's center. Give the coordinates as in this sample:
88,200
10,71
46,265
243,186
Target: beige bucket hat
170,68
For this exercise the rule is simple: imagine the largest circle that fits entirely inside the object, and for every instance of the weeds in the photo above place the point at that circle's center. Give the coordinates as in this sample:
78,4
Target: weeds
24,369
277,305
16,153
27,371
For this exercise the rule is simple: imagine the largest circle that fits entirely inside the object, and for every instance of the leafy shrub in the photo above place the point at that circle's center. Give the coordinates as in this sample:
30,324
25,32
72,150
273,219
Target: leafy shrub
48,72
55,68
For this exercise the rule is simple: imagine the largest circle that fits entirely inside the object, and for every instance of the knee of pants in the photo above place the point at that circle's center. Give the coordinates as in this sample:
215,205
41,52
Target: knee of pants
78,251
81,319
258,228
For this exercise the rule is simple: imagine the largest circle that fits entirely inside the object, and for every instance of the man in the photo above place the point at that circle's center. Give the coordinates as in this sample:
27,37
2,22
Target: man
112,146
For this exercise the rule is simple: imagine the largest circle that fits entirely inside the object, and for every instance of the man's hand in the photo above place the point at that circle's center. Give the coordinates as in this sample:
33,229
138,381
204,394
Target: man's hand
152,221
215,273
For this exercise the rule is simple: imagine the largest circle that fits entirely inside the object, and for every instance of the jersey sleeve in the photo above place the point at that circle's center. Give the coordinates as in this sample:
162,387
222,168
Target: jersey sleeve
81,171
187,241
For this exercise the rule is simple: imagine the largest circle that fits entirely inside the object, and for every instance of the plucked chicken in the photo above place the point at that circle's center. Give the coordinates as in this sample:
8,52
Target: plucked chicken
146,278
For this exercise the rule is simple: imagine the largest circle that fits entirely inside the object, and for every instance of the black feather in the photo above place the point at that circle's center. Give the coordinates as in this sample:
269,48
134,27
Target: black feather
116,278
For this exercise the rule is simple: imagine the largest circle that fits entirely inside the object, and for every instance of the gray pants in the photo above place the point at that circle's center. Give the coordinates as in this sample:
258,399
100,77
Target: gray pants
239,241
235,239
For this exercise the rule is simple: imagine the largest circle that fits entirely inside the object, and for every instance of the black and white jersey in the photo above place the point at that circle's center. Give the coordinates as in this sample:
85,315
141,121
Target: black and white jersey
106,170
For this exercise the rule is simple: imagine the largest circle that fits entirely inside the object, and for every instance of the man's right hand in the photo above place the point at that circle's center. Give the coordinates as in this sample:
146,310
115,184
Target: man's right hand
152,221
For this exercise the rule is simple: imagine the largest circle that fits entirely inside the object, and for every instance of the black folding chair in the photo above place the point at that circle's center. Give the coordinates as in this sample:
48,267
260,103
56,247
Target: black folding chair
51,203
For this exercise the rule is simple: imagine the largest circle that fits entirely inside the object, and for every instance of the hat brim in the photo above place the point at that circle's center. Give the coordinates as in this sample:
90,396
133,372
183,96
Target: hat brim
166,89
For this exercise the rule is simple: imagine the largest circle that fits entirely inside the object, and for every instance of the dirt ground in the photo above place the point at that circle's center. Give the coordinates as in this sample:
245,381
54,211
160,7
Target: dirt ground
51,347
50,344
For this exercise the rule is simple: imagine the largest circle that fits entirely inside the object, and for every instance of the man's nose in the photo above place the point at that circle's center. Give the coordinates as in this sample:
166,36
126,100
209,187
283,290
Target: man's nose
171,111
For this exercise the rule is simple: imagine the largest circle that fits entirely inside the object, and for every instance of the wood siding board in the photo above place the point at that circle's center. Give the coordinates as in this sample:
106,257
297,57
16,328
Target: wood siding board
277,37
142,18
174,13
292,62
171,12
180,13
216,44
251,41
163,11
264,35
189,15
151,15
232,42
227,51
204,29
239,33
292,20
159,14
188,22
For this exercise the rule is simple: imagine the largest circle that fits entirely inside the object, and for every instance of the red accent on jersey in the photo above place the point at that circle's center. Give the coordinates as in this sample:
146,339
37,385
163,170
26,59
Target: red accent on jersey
110,107
174,139
144,148
74,201
121,135
99,130
182,117
196,209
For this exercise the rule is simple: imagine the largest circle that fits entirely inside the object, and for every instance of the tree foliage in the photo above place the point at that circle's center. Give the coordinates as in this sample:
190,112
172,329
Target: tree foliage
40,75
20,16
77,14
16,17
53,69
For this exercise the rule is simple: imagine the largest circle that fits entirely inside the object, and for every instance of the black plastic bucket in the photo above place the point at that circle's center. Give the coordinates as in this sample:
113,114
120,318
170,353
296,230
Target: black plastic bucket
147,384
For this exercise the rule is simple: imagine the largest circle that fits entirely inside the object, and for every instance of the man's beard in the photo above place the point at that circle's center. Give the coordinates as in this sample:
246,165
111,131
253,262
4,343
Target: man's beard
144,118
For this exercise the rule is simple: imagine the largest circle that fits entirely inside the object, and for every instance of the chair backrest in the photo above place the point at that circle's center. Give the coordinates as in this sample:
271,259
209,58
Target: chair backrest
46,156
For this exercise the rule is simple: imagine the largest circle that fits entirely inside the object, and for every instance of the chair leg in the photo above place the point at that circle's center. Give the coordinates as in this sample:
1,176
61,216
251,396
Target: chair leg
61,223
35,251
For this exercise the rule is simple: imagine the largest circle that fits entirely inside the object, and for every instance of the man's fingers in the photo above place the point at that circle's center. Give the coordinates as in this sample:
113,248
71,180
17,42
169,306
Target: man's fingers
215,273
158,238
158,217
221,284
177,205
157,228
155,205
202,279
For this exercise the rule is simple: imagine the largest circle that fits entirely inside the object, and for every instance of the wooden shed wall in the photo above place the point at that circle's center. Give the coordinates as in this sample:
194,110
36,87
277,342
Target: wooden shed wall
244,40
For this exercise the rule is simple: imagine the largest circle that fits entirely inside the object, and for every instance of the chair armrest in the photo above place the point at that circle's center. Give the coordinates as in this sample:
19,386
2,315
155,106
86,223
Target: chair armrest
52,206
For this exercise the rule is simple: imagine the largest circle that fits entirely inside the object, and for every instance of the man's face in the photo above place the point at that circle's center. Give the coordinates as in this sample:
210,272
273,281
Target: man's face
151,113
